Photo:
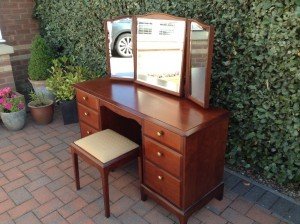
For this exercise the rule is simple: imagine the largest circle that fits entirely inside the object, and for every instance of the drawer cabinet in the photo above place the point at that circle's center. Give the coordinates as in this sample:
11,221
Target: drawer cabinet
162,182
88,116
88,113
162,156
163,135
162,161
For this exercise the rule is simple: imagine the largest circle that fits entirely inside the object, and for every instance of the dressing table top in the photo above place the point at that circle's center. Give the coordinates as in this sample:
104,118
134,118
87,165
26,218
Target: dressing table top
177,114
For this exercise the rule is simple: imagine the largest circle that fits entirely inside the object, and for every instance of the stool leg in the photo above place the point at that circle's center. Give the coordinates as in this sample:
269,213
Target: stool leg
104,176
76,170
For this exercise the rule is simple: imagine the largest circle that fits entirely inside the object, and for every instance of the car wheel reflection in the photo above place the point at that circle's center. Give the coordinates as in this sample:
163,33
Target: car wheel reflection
123,45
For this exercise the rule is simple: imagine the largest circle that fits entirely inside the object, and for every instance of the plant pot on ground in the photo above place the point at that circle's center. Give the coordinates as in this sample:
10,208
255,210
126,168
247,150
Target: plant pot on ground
69,111
63,77
12,109
41,108
39,64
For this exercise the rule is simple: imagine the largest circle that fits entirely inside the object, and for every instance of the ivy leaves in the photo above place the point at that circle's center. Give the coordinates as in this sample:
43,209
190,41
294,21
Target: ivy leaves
255,68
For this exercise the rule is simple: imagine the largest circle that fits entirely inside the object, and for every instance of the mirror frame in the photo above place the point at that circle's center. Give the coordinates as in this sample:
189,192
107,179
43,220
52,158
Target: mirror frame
134,36
188,84
108,66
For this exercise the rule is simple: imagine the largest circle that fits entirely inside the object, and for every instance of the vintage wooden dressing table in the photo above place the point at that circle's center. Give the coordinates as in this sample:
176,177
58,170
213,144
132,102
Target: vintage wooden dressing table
183,144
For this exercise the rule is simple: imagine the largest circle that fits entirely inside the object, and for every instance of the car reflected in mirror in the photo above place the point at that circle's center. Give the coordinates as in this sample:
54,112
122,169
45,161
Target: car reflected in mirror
121,42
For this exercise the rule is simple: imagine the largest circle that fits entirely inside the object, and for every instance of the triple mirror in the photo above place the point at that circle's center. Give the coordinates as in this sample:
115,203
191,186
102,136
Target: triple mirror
165,52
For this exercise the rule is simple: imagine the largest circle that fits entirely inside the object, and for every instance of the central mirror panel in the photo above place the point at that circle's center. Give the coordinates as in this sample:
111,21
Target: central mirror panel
118,37
160,44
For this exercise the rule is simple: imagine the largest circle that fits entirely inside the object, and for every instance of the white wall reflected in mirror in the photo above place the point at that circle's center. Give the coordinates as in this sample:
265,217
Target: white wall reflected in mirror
1,39
160,45
120,48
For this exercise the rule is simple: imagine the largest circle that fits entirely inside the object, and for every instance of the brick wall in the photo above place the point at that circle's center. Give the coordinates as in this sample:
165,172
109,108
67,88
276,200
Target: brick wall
18,29
6,75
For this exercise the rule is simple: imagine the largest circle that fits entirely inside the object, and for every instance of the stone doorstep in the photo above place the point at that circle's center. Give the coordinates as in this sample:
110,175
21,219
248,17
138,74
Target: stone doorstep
6,49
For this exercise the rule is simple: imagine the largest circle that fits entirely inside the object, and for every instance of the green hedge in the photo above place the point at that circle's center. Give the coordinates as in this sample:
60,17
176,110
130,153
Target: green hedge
255,69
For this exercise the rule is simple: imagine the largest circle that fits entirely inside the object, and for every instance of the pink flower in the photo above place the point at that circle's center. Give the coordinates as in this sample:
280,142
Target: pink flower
8,106
21,106
1,100
5,91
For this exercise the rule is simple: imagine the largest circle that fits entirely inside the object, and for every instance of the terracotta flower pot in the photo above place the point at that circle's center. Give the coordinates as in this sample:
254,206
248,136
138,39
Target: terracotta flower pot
42,114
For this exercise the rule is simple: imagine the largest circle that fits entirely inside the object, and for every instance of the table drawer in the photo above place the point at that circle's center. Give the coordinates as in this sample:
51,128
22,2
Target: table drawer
89,116
86,129
162,156
162,182
163,135
87,99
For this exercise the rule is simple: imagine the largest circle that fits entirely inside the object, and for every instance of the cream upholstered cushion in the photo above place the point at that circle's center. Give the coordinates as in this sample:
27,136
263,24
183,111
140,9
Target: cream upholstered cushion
106,145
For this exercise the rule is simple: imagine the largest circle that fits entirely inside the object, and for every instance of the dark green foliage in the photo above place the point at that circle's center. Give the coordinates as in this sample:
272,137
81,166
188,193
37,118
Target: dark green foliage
40,59
255,71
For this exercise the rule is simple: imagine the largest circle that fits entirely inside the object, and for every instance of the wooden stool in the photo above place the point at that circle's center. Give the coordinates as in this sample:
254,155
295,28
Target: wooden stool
105,150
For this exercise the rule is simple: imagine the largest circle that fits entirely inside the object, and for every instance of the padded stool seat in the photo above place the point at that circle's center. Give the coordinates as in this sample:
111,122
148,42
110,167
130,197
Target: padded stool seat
106,145
105,150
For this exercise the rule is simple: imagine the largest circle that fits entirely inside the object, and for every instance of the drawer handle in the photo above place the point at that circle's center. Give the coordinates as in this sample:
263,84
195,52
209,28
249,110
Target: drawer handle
84,97
160,177
160,133
86,113
159,154
88,132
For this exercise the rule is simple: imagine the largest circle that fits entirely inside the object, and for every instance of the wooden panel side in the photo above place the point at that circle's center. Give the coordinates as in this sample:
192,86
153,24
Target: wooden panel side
204,158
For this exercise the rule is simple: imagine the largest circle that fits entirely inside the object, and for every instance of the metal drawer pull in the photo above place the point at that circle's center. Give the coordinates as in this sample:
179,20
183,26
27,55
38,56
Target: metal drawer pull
159,154
88,132
160,133
160,177
84,98
86,113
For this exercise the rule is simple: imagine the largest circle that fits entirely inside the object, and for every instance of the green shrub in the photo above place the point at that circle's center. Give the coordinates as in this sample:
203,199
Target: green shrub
255,68
63,77
40,60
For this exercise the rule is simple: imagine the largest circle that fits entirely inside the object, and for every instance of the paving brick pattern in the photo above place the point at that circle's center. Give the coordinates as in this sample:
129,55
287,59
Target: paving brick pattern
37,186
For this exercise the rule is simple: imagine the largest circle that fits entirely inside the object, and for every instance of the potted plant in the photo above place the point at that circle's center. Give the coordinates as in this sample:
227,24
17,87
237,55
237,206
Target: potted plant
63,77
12,109
39,64
41,108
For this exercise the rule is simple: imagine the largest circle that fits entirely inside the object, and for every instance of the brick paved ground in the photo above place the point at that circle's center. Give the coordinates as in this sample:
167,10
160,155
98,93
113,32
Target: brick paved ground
37,186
